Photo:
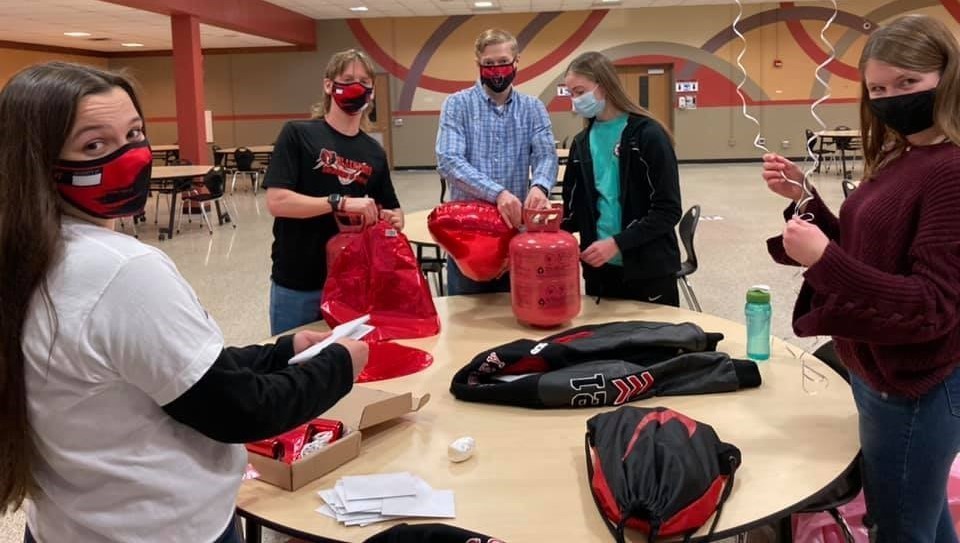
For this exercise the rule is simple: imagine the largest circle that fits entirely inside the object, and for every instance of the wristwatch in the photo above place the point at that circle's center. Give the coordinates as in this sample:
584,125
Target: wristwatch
335,200
543,189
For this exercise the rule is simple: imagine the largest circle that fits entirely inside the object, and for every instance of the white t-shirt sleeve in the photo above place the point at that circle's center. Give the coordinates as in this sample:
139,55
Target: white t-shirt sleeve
151,329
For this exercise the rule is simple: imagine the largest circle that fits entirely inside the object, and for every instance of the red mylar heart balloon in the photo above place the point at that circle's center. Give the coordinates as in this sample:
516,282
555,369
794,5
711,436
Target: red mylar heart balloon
475,235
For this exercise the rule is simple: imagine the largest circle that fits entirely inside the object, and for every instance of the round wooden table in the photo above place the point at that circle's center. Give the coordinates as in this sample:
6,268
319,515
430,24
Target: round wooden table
415,227
528,480
161,176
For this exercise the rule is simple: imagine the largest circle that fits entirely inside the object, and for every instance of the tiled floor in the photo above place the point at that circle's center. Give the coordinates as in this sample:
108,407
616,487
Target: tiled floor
230,269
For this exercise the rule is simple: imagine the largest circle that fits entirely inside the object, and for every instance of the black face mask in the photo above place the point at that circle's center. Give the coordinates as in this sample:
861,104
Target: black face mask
907,113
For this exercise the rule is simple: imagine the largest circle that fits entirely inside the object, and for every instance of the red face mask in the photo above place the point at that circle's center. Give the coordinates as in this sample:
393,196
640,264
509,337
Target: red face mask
498,77
351,97
114,186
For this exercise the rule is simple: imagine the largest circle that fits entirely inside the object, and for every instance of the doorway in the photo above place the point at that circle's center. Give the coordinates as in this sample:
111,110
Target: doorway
380,115
652,88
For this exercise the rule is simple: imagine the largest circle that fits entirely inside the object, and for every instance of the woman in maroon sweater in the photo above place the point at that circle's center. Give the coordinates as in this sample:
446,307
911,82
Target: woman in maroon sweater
884,277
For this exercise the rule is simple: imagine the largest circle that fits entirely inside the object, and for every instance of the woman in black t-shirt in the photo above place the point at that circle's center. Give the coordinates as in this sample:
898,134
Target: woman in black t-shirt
320,166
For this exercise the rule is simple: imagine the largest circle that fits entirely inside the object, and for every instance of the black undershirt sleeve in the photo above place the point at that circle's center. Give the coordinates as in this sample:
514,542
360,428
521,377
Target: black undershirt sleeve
251,393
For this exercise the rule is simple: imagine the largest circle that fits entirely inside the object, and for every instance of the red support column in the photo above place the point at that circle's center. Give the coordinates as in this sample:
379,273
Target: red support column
188,72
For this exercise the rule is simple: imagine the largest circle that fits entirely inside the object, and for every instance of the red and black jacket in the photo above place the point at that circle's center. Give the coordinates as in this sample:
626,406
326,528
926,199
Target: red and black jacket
606,364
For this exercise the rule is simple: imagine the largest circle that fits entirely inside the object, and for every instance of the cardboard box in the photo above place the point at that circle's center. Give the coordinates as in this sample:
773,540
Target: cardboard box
361,409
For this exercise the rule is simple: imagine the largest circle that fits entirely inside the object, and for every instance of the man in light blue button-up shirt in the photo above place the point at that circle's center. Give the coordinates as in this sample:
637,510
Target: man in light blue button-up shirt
495,145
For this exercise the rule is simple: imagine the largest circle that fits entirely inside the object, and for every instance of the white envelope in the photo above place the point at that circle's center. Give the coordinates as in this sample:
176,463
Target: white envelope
326,511
357,517
354,329
436,504
384,485
332,500
359,506
367,521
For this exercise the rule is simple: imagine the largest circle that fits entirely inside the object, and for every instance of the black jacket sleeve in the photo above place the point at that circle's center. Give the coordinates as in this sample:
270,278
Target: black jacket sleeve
235,403
571,180
659,173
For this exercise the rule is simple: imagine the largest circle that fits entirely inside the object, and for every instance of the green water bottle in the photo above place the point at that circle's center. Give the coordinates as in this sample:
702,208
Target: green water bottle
758,314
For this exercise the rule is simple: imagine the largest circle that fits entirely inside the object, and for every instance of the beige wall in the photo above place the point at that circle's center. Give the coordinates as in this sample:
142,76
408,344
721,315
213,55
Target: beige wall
270,87
252,95
14,60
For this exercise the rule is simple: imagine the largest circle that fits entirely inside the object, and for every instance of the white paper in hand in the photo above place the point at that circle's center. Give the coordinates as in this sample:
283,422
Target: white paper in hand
354,329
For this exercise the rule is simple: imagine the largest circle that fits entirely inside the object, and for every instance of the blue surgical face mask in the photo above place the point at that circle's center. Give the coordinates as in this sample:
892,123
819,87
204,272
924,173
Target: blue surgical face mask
586,105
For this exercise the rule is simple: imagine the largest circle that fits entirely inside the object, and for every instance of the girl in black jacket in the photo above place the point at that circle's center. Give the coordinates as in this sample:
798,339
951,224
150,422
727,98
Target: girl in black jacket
621,190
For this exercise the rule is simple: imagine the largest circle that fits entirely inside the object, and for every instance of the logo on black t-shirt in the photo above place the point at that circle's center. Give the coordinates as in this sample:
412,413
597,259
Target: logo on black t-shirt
346,170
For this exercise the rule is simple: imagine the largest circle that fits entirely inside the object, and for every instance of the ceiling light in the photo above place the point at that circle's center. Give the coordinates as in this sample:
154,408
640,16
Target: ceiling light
76,34
359,8
132,44
483,4
609,1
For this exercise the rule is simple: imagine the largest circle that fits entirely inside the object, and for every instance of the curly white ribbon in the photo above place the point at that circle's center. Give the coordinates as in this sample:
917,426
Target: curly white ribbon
812,380
804,184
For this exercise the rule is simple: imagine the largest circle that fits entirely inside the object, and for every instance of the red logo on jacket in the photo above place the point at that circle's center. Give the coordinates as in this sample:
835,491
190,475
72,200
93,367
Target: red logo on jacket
347,171
631,387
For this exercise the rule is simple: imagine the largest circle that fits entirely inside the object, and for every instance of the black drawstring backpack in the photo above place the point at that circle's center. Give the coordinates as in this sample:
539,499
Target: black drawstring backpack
657,471
429,533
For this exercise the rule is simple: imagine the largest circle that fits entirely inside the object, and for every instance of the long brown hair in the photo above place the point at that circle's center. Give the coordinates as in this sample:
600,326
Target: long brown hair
37,110
338,64
598,68
919,43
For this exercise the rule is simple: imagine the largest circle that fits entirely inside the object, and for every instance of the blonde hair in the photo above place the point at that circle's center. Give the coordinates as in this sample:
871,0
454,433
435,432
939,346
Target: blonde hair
495,36
338,64
598,68
919,43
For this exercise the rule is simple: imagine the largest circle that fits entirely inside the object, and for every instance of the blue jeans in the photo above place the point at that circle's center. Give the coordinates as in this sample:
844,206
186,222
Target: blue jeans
908,448
292,308
457,283
233,534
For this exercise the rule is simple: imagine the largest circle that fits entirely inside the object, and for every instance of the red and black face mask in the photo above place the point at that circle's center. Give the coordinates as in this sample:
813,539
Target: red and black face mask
114,186
352,98
498,78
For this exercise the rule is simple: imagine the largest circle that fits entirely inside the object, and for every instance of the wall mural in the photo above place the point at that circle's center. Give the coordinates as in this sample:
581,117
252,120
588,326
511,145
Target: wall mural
426,55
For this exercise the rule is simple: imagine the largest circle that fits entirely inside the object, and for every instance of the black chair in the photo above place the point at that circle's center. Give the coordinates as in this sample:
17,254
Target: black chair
848,187
166,190
846,487
133,222
846,145
688,228
219,158
215,186
433,264
244,159
566,139
818,145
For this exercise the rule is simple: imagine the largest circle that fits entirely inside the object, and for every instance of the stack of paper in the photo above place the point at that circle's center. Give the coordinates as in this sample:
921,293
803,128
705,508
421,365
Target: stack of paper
360,500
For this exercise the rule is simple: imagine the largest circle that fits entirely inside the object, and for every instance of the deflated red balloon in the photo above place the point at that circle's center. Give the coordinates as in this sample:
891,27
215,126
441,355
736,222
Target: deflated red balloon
475,236
388,360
